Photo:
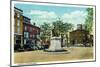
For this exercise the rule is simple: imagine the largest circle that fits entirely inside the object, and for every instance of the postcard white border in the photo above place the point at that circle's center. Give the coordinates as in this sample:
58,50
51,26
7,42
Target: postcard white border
51,4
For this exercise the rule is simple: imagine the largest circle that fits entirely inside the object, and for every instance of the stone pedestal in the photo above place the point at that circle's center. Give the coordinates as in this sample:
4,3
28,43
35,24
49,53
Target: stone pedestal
55,44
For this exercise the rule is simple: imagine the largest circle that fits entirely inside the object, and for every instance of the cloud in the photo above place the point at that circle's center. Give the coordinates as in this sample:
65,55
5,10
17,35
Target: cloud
43,16
74,17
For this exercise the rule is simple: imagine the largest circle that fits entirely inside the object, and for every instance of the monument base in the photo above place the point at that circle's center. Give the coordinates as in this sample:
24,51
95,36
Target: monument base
55,45
48,50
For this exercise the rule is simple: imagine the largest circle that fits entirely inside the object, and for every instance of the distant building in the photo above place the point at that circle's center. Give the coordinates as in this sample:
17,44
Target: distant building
78,36
18,26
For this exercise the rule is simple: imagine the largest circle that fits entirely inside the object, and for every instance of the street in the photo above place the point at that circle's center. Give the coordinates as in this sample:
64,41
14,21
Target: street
75,53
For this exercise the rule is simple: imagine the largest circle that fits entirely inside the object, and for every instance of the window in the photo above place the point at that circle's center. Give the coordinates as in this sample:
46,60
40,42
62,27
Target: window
26,34
24,41
38,36
18,15
80,34
37,32
18,29
18,23
31,36
83,34
18,26
31,29
25,27
14,25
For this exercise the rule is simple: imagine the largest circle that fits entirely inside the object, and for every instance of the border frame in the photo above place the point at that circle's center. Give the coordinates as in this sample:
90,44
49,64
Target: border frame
11,65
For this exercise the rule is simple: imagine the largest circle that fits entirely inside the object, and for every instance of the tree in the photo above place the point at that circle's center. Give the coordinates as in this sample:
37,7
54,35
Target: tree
89,19
46,29
62,27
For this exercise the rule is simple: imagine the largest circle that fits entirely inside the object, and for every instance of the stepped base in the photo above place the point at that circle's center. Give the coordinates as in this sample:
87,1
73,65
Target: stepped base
60,50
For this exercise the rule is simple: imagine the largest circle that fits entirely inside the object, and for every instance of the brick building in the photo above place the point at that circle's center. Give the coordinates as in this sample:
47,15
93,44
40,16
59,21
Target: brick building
79,36
23,30
31,32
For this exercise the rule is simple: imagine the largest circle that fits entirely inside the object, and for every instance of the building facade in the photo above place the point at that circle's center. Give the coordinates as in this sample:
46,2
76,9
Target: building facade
79,36
31,32
18,27
24,31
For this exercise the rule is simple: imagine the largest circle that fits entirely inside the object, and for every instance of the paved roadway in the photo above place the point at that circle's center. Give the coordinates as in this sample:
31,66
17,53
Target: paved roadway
75,53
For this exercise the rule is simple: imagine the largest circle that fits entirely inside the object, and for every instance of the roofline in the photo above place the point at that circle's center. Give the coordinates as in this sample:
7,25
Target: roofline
26,17
32,25
79,30
18,9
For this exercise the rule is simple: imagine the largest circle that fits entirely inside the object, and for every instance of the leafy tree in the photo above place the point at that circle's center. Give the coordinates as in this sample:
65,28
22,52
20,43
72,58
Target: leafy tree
46,28
89,19
62,27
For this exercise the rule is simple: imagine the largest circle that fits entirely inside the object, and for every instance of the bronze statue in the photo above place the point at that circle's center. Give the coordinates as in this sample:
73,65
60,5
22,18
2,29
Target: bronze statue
55,32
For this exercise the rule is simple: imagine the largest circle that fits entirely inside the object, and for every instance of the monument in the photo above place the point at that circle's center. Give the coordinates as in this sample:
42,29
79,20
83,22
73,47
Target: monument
55,41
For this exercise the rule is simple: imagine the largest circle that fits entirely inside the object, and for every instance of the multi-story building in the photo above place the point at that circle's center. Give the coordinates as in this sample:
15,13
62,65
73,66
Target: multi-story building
24,30
18,27
79,36
31,32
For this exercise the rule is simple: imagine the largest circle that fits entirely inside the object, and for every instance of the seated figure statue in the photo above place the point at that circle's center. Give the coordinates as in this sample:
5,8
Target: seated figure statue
55,32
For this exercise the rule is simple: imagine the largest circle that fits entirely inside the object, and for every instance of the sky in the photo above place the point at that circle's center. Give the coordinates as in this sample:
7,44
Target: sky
47,13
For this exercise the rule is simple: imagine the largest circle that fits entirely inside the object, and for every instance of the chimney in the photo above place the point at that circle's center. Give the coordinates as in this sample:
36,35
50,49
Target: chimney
34,24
